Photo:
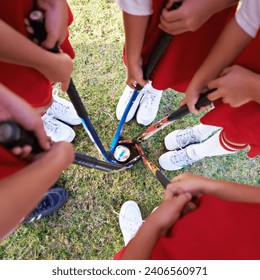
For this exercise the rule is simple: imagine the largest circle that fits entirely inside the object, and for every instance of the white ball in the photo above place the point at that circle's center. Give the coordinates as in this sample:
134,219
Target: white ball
122,153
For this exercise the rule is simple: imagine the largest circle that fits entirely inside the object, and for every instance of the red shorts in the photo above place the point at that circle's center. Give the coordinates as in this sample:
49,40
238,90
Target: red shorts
9,164
186,51
241,125
183,57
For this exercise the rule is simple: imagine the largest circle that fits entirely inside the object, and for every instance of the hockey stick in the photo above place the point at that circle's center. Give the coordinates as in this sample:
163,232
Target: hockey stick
176,115
12,135
150,131
37,23
162,44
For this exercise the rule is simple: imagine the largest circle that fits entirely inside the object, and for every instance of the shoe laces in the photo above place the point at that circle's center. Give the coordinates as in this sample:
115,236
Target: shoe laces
51,124
149,99
42,207
131,225
57,108
186,137
181,158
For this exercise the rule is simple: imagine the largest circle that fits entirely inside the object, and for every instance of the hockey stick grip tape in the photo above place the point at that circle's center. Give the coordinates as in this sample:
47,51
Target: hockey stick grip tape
162,178
184,110
13,135
76,100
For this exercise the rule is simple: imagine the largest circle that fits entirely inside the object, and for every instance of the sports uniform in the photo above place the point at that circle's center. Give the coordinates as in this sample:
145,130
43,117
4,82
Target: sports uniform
186,51
216,230
242,125
24,81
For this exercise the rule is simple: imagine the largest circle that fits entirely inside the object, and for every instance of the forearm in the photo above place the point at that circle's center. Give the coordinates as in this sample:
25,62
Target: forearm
214,7
141,246
223,53
135,28
223,4
232,191
17,49
22,191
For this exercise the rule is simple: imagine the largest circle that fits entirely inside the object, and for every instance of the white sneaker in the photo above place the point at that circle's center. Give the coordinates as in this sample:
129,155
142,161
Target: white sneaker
181,138
63,110
57,130
149,106
123,101
130,220
175,160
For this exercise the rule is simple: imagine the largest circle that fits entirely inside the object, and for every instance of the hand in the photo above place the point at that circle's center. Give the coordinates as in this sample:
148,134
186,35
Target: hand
190,16
14,108
236,86
169,210
56,21
135,75
194,184
192,95
61,152
58,68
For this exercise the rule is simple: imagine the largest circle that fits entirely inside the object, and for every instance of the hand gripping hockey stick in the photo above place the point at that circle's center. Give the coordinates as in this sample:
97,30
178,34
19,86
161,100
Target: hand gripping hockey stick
162,44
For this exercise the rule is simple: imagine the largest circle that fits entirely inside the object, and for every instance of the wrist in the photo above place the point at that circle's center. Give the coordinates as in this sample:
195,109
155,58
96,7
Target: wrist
154,226
209,186
254,94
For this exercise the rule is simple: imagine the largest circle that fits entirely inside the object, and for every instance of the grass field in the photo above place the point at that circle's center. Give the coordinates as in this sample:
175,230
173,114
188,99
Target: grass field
87,226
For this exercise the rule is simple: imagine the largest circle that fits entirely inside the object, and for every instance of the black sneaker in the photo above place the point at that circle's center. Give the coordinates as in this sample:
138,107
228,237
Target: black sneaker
51,202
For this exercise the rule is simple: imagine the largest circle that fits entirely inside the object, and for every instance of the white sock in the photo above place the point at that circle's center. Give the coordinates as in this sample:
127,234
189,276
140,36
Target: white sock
152,90
210,147
204,131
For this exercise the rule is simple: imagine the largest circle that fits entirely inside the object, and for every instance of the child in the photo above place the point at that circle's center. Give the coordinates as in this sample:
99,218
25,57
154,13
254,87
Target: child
224,226
30,76
24,183
182,57
237,85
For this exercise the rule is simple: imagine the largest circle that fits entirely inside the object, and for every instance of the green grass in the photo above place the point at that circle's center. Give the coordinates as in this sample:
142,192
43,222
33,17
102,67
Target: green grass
87,226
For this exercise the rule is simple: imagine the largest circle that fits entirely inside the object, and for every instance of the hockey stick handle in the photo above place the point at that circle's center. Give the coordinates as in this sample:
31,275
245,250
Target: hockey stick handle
162,178
13,135
92,162
161,45
37,22
184,110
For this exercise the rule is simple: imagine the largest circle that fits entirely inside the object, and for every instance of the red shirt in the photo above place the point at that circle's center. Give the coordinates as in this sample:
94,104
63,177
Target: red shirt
24,81
216,230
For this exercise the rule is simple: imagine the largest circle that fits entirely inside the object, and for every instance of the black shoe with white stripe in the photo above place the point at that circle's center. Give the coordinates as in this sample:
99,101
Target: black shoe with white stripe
51,202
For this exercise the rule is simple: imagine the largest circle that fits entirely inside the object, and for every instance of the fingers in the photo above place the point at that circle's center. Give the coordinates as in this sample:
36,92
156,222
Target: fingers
188,207
22,152
191,105
172,191
65,85
44,140
50,42
181,200
132,83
